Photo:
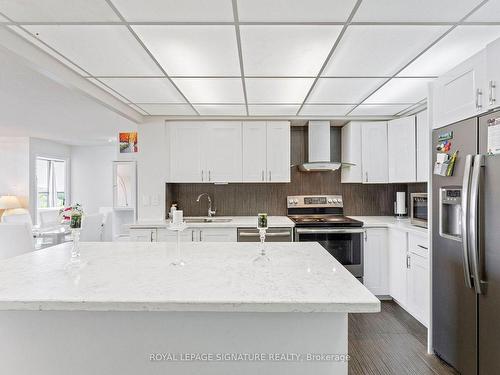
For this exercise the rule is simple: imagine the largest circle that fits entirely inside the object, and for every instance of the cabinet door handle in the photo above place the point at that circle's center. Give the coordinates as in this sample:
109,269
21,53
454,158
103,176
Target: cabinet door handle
262,175
270,179
209,176
492,89
423,247
479,95
192,236
200,235
202,175
366,235
408,262
366,176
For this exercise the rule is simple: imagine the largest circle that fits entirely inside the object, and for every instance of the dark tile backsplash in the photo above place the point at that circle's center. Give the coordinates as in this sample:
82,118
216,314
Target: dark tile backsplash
250,198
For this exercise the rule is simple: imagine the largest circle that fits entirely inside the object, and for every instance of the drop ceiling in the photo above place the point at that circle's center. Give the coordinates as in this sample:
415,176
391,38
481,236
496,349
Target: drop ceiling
259,58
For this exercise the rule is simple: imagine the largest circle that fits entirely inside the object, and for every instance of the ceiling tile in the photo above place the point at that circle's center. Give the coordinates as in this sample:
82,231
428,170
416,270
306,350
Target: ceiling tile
273,110
377,109
99,49
343,90
46,49
401,90
168,109
379,50
457,46
277,90
193,50
413,10
295,10
286,50
175,10
109,90
489,12
222,110
145,90
211,90
325,109
58,10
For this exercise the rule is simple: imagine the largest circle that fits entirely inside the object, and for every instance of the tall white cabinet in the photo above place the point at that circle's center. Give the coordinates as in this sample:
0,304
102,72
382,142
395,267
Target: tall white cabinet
402,160
278,151
351,152
374,152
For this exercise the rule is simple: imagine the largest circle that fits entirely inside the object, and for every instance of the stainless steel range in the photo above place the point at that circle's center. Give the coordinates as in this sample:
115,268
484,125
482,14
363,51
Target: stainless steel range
320,218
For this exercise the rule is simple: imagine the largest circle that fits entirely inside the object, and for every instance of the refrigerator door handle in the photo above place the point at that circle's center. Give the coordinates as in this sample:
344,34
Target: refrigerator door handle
474,221
465,220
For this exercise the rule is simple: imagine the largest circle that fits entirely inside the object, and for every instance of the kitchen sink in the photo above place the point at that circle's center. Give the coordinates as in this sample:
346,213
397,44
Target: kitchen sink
194,220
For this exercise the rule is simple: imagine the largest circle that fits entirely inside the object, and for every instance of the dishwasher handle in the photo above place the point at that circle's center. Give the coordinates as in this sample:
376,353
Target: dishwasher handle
272,234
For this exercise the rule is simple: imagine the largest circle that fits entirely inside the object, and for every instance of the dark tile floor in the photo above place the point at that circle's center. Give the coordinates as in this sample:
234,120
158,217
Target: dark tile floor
391,343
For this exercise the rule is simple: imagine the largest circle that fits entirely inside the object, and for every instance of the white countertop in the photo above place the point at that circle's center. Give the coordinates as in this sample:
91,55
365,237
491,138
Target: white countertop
389,222
236,222
119,276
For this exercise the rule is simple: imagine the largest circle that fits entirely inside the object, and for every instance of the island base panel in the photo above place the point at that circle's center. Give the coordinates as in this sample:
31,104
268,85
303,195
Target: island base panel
90,342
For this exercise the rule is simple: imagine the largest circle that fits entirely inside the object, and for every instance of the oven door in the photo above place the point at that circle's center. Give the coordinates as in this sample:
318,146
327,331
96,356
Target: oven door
345,244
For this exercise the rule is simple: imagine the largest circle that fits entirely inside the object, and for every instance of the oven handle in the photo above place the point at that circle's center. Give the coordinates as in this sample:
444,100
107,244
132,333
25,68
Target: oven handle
328,230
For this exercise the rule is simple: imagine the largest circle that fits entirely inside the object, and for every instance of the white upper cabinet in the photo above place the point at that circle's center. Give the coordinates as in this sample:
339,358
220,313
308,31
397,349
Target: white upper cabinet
278,151
402,150
423,147
492,74
187,161
223,152
229,151
374,152
254,151
351,153
461,92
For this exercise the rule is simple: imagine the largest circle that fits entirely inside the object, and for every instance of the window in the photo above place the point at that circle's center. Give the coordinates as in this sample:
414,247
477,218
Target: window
50,182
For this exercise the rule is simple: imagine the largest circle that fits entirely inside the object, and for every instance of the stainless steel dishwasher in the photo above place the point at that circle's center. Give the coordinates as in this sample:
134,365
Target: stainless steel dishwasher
272,235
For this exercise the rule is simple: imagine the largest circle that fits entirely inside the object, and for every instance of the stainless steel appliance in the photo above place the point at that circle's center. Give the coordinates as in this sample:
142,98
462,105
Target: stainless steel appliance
419,209
272,235
466,252
320,218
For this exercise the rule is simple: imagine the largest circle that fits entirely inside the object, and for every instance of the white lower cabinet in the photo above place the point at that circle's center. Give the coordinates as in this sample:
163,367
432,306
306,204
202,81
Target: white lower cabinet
398,253
198,235
143,235
375,259
418,278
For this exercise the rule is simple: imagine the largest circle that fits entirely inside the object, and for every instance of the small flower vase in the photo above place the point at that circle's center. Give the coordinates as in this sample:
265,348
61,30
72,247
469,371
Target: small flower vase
262,227
75,226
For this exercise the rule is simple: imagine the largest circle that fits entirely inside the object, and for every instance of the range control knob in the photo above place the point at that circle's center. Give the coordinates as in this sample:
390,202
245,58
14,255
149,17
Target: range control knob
330,201
295,201
339,201
290,201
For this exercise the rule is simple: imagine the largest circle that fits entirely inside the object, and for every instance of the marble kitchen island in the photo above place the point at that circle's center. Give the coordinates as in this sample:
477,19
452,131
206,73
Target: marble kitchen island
126,310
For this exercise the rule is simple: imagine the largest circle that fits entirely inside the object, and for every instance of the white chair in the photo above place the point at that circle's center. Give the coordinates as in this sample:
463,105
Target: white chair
22,216
92,228
15,239
49,218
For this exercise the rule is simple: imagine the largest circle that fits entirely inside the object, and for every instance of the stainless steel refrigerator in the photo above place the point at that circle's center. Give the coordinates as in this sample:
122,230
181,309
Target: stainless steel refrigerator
466,252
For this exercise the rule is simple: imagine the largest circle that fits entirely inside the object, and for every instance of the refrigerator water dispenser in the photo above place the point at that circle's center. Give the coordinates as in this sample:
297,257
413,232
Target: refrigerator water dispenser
450,212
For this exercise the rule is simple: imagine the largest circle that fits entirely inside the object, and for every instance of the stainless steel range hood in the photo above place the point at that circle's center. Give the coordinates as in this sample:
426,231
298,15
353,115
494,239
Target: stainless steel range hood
319,149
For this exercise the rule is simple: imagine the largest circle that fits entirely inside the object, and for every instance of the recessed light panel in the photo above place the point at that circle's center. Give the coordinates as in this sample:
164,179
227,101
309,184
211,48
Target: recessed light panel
286,50
221,110
211,90
414,10
295,10
277,90
343,90
401,90
175,10
168,109
379,50
325,110
273,110
102,50
58,10
457,46
377,109
145,90
193,50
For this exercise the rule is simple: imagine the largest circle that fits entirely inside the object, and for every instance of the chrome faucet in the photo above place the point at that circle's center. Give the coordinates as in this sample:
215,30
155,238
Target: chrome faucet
210,211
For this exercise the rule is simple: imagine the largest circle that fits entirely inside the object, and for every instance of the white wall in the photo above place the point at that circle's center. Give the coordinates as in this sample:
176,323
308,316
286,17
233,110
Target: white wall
152,164
14,167
47,149
92,176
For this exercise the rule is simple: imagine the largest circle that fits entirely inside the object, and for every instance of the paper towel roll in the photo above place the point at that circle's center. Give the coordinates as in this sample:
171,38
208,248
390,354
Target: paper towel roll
400,203
178,217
